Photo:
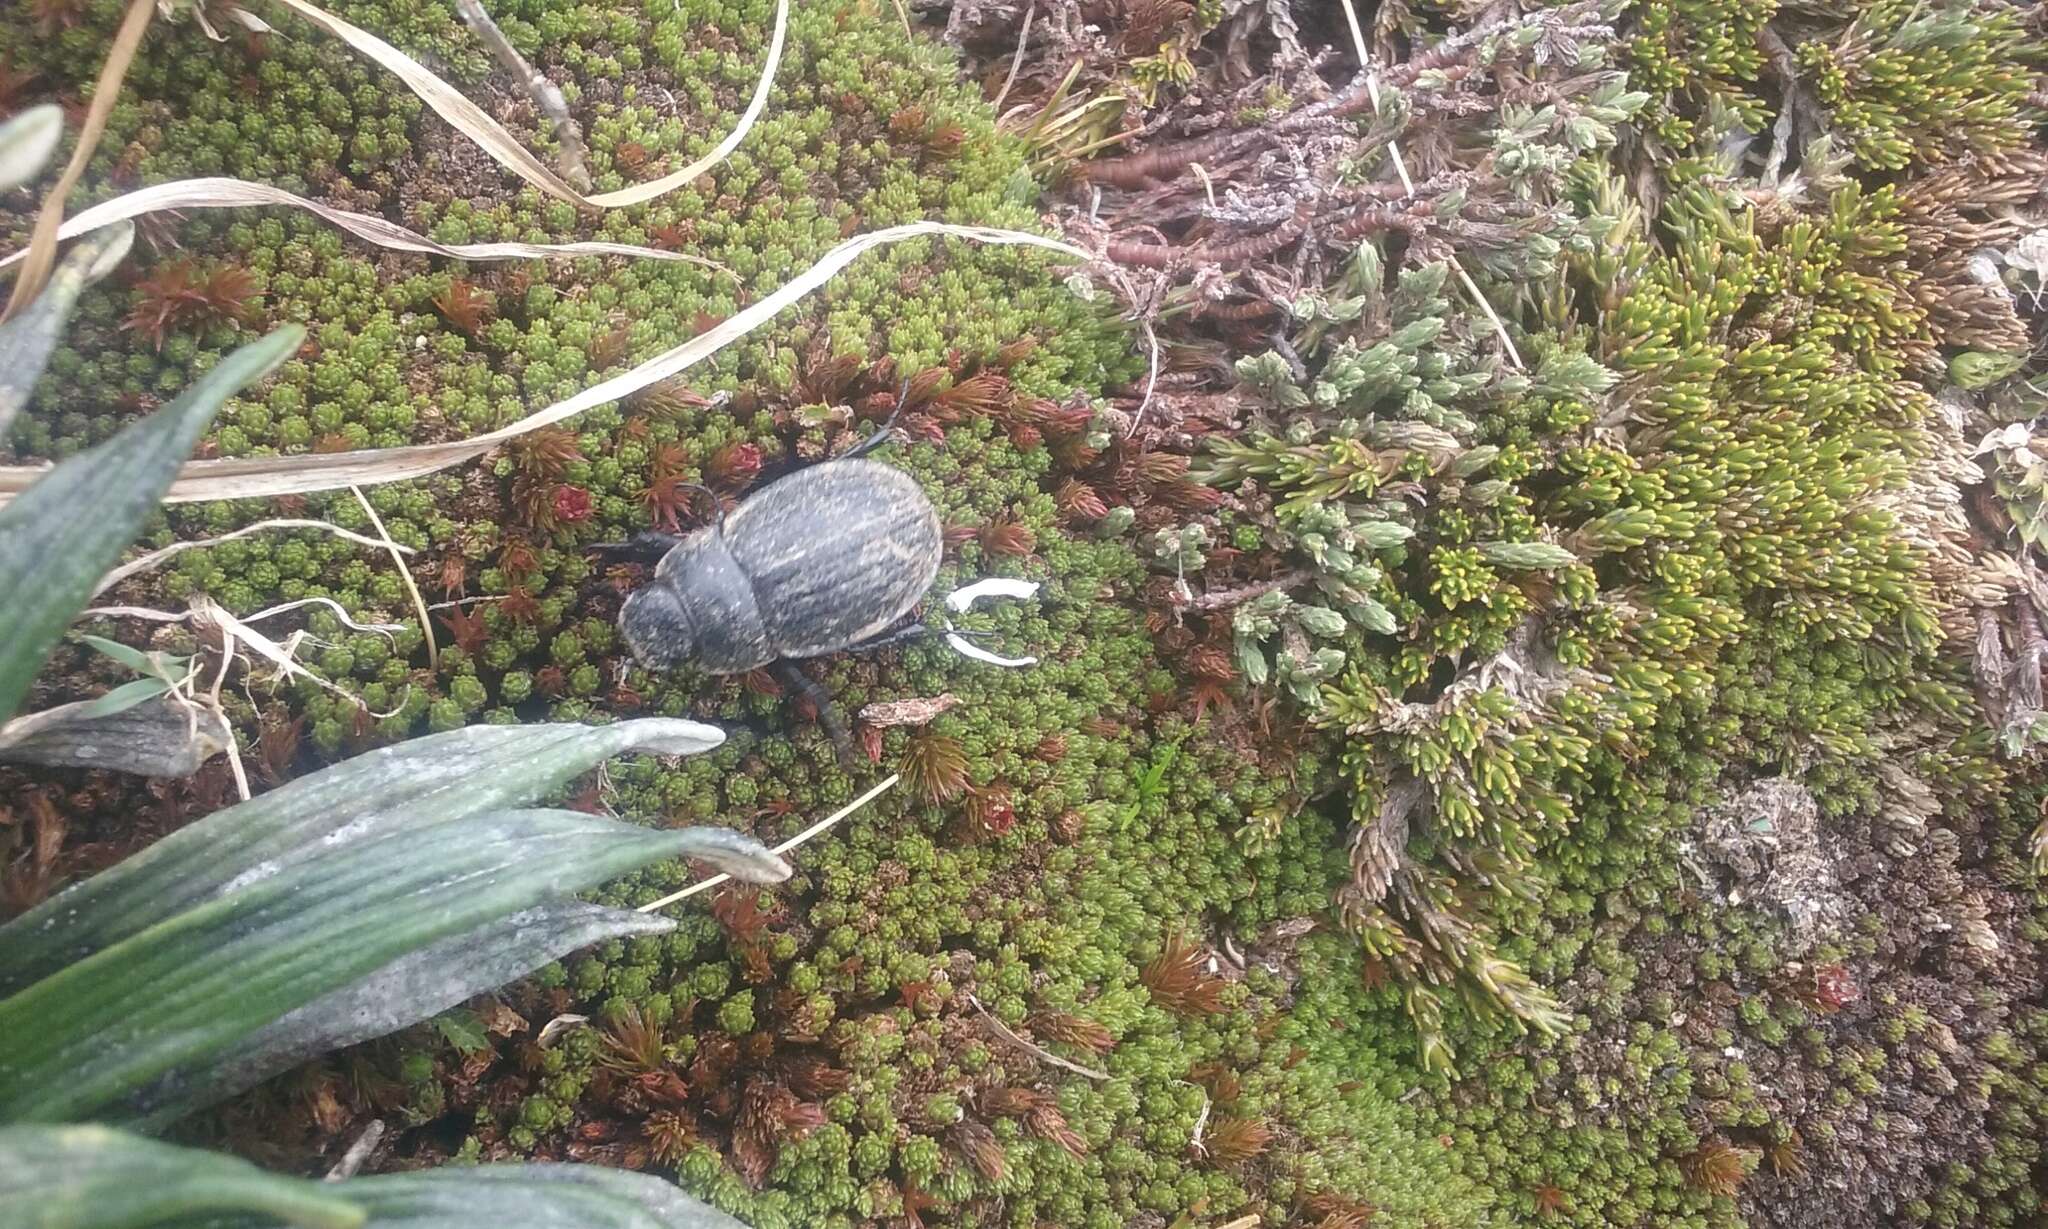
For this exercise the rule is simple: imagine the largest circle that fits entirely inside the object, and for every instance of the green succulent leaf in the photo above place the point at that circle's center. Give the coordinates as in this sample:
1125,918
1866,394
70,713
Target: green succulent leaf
148,1024
1473,460
1381,535
60,536
1254,664
1539,556
1376,617
433,979
413,785
537,1196
27,340
1975,369
88,1177
1321,621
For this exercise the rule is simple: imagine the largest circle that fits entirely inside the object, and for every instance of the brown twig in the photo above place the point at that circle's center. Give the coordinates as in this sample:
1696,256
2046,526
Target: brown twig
1040,1051
42,244
543,92
1373,221
1249,309
1219,599
1166,162
1165,255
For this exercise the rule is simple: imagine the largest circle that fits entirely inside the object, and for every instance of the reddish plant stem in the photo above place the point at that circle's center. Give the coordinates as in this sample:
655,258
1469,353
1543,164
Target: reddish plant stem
1164,255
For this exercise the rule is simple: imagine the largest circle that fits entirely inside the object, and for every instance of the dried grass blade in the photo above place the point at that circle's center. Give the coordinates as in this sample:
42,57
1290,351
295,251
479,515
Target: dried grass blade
419,604
704,885
642,193
448,102
501,145
206,612
259,477
222,193
545,94
42,244
145,563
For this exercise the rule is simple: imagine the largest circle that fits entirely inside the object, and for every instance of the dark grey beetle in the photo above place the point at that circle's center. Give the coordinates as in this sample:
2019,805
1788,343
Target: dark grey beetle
825,560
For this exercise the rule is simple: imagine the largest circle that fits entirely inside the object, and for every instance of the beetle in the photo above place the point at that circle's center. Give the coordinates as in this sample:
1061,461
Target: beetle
825,560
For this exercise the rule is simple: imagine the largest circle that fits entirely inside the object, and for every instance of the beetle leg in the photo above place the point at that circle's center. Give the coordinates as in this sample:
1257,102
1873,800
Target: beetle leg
880,437
647,546
790,675
902,635
872,442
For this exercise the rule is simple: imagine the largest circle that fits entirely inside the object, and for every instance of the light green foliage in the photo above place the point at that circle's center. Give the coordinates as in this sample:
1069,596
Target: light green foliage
1666,548
1894,81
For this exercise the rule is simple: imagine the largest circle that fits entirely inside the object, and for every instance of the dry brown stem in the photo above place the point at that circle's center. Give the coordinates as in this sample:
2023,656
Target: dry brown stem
42,248
544,93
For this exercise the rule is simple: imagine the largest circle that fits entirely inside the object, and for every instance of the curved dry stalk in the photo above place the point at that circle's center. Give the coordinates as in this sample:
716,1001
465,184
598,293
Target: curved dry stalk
1037,1050
334,608
419,603
42,244
1016,61
827,822
544,93
472,121
223,193
143,564
260,477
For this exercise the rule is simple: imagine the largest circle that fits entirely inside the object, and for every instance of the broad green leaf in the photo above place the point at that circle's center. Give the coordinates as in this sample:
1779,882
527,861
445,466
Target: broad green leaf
86,1177
409,989
180,997
61,535
26,143
90,1177
27,340
545,1195
538,1196
421,782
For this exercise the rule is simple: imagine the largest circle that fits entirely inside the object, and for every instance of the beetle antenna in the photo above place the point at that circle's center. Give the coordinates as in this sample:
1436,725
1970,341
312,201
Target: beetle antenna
647,546
881,436
711,497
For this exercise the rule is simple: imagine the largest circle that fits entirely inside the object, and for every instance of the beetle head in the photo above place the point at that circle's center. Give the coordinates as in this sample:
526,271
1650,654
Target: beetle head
657,629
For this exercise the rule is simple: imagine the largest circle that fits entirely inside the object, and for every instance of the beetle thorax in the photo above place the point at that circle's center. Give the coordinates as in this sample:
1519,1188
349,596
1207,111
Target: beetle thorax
702,602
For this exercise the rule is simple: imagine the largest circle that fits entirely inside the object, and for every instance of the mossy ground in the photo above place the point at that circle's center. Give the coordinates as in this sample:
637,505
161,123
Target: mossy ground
1705,488
832,1061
